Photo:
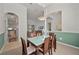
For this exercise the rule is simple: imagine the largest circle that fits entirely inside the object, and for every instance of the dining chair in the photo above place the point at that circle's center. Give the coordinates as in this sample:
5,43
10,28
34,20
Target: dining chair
52,41
39,33
51,45
45,47
27,50
33,34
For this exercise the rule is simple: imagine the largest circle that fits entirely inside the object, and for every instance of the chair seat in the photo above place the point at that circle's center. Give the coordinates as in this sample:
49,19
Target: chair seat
30,50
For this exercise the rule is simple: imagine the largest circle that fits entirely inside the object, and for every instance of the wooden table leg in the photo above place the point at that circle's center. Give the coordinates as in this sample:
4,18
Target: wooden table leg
37,50
27,43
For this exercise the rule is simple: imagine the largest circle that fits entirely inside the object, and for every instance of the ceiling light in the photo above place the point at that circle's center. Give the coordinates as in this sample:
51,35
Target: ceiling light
42,18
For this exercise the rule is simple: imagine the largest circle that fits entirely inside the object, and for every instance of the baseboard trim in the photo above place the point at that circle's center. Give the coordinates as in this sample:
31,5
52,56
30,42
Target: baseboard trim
67,45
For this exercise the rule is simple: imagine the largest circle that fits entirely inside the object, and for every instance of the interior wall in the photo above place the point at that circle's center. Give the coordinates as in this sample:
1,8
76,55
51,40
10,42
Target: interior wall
68,38
1,40
21,12
70,23
55,20
35,22
70,15
2,29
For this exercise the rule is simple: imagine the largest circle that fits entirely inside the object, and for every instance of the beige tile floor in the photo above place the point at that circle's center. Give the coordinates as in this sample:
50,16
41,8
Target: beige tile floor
66,50
12,48
61,50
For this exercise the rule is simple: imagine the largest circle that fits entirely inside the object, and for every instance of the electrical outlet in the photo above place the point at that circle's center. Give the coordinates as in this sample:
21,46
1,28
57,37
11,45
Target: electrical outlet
60,38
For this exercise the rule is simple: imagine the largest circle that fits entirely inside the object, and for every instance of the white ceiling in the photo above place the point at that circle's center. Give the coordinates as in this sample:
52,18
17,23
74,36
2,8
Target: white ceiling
35,10
45,5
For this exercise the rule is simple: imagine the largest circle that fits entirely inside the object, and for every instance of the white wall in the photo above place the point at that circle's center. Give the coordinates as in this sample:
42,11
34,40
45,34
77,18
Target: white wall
2,29
55,20
70,15
21,12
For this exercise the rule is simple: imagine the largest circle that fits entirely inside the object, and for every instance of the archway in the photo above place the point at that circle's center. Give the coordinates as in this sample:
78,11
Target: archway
11,27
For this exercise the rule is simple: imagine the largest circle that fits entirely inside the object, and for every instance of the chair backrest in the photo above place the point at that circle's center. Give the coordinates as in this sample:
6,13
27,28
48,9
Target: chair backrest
51,35
24,47
54,42
46,45
33,34
39,33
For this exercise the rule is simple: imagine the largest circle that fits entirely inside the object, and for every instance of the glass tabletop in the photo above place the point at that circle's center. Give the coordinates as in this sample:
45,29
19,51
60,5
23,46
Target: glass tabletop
38,40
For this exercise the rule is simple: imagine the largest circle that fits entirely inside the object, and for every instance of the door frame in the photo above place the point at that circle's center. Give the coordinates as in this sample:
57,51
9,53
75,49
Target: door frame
6,27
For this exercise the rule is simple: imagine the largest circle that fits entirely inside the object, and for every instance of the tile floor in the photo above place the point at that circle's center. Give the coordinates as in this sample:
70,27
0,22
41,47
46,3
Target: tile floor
61,50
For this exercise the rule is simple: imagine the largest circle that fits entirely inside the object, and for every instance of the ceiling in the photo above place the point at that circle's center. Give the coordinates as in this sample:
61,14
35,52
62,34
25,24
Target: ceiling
45,5
35,10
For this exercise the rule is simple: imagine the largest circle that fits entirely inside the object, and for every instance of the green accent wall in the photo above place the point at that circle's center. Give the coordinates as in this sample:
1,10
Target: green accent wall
1,39
68,38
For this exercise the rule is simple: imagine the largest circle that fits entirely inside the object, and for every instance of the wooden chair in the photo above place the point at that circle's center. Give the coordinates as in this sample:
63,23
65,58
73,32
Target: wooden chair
51,37
39,33
45,47
27,50
52,41
33,34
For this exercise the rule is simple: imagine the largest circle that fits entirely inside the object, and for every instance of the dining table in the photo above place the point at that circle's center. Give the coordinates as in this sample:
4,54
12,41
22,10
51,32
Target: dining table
37,41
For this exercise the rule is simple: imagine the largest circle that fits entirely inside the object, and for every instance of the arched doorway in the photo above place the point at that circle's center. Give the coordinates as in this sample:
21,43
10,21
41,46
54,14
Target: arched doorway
11,27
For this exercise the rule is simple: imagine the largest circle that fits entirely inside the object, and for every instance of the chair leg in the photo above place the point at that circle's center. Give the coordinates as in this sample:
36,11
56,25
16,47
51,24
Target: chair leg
49,52
27,44
43,54
54,50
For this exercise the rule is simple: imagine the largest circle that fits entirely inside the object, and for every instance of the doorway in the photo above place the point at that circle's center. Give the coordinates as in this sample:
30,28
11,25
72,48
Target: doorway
11,27
54,21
